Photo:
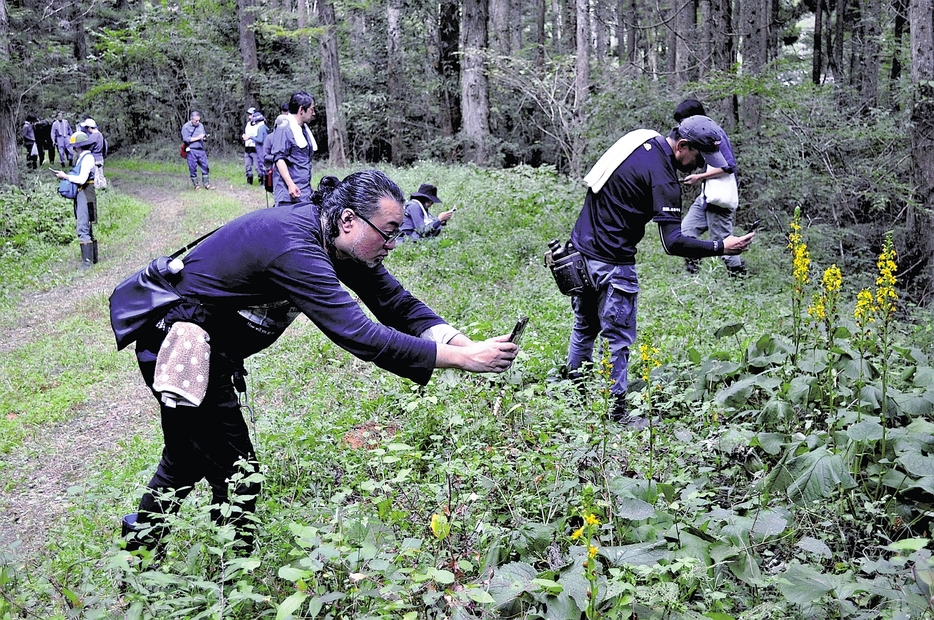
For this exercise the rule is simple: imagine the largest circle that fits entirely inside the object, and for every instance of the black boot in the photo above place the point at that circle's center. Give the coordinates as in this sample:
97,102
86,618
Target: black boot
87,254
249,179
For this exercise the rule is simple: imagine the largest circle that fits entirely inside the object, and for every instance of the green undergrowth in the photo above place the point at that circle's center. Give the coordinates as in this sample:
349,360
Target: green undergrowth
787,473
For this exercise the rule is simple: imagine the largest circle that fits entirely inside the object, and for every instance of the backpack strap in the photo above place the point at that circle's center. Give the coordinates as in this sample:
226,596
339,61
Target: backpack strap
181,251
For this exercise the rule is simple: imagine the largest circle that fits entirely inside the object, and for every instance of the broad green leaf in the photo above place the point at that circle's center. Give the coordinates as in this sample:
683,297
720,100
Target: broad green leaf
908,544
817,475
775,412
737,393
290,573
728,330
552,587
575,585
871,395
867,430
479,595
817,547
802,585
916,463
289,605
913,404
800,389
772,443
562,606
715,615
641,554
510,581
634,509
442,576
440,526
923,377
746,569
769,523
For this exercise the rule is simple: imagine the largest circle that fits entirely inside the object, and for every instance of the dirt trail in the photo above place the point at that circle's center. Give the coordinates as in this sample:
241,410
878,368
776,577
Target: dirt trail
38,475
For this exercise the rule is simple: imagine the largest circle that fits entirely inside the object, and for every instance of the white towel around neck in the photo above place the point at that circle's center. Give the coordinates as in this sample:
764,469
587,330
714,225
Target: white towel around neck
299,135
616,155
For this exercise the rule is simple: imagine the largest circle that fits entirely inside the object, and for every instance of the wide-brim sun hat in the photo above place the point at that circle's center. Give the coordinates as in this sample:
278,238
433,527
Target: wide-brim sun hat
428,192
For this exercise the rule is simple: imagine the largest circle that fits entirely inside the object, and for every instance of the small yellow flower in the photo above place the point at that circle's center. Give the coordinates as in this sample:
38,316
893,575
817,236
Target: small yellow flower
865,308
591,519
592,552
577,534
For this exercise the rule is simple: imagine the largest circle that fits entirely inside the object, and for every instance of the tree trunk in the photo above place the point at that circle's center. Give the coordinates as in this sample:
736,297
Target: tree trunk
870,54
538,33
920,220
754,24
246,18
838,32
9,171
581,86
500,36
898,33
394,75
569,32
475,103
817,58
600,19
449,68
332,83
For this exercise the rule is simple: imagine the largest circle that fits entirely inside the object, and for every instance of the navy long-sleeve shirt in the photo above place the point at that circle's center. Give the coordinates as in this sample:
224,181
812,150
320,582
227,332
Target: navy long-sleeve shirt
643,188
275,258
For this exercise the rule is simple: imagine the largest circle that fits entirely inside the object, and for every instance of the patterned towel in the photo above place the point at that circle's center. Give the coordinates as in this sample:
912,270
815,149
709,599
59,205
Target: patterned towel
182,366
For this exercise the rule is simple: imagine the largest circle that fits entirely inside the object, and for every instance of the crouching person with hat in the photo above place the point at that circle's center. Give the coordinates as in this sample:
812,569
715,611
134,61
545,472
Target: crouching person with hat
85,202
419,222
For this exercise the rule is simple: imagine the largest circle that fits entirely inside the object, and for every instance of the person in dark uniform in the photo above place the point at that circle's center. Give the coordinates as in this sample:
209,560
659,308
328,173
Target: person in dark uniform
626,193
251,278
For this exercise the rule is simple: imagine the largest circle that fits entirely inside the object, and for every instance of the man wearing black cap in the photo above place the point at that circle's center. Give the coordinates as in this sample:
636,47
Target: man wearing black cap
419,222
634,183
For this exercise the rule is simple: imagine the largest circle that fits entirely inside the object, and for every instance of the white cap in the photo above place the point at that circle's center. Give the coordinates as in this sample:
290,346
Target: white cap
89,122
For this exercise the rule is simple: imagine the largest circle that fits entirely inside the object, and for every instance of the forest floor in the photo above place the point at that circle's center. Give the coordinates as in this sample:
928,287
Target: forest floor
38,475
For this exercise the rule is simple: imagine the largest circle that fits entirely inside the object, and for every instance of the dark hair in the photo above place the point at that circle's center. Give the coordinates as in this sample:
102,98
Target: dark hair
689,107
284,107
360,192
301,99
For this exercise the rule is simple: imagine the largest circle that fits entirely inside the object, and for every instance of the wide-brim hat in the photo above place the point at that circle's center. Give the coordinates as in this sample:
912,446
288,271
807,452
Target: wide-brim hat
257,117
88,122
428,192
79,139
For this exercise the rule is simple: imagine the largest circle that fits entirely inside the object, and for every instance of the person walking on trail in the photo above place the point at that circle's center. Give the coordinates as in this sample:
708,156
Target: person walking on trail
708,215
85,202
293,148
254,135
419,222
633,183
61,136
193,135
29,142
243,285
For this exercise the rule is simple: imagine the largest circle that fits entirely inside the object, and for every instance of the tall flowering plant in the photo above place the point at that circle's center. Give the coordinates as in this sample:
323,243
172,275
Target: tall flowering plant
801,274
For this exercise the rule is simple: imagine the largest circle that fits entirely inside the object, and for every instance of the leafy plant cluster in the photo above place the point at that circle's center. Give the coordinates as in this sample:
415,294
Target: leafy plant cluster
36,214
784,474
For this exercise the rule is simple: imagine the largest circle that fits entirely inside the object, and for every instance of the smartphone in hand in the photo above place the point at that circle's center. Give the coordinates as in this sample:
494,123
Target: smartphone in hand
516,334
754,226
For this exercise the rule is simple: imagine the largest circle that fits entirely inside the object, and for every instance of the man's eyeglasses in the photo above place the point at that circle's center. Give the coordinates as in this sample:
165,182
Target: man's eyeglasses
387,238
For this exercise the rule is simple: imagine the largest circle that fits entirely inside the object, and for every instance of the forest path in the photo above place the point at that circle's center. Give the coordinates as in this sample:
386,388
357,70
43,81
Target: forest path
37,476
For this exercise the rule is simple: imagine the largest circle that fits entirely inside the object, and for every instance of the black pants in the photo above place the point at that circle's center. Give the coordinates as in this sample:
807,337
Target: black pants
201,442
